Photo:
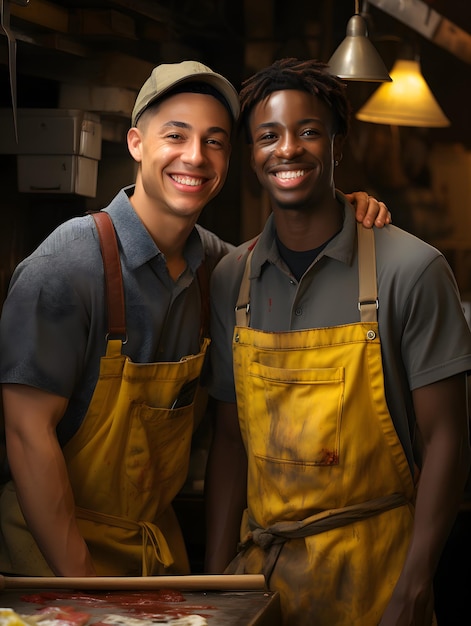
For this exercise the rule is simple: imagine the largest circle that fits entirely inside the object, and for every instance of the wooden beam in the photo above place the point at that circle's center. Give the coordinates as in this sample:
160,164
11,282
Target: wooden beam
419,16
454,39
147,8
111,101
93,22
61,43
154,31
43,13
120,70
109,69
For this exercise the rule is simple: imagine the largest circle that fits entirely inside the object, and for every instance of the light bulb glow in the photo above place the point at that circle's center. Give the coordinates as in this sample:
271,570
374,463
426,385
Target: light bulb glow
406,101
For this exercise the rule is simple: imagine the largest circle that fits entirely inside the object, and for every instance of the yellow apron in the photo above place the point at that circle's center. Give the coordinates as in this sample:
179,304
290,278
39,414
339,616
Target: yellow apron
126,464
330,492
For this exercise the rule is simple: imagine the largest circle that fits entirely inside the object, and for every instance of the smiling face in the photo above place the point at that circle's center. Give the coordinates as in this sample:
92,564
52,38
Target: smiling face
183,148
294,148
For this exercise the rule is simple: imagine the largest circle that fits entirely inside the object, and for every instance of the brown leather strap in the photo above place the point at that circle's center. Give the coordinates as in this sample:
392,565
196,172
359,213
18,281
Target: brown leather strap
113,276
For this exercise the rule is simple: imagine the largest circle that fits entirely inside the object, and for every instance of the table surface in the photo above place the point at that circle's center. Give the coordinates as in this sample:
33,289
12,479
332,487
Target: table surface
220,608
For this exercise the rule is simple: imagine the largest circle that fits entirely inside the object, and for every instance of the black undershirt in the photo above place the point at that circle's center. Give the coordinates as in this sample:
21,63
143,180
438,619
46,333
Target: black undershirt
298,262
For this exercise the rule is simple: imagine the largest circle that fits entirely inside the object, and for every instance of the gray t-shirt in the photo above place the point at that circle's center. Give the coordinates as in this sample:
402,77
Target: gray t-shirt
423,331
53,324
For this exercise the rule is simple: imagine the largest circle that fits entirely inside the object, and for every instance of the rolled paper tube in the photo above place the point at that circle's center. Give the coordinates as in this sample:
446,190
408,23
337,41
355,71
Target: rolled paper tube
203,582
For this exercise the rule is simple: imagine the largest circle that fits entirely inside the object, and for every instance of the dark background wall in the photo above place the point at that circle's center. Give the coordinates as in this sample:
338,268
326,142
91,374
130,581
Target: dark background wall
424,175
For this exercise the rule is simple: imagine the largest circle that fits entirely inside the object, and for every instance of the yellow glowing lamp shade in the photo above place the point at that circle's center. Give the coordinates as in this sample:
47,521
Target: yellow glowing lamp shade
406,101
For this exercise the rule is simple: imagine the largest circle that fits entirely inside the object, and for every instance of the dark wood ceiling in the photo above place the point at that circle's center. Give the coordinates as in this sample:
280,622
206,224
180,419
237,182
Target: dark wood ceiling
57,38
117,42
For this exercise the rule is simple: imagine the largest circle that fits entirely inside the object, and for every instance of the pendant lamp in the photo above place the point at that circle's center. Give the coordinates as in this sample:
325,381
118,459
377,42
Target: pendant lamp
356,58
406,101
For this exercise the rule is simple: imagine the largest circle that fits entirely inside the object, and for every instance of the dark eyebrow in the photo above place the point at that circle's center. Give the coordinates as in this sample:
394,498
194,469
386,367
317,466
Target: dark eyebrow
266,125
307,120
212,129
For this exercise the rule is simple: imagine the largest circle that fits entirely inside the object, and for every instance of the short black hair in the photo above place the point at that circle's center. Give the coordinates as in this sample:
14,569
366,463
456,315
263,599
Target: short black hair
311,76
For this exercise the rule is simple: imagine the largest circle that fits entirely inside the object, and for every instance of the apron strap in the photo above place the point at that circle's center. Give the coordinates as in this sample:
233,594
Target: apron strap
114,280
273,538
242,309
367,296
113,275
151,535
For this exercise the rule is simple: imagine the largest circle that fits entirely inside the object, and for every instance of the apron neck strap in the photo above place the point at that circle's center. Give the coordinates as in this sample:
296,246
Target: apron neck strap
367,296
242,309
113,276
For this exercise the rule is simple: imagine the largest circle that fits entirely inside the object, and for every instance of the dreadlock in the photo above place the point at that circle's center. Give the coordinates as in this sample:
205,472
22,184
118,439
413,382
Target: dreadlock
311,76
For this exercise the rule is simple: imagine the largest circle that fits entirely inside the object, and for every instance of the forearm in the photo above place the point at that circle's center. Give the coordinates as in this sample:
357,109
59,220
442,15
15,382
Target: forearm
47,503
442,422
442,415
438,499
41,479
439,495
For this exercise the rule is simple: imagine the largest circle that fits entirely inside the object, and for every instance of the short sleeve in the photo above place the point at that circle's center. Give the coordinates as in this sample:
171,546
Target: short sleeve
436,339
46,316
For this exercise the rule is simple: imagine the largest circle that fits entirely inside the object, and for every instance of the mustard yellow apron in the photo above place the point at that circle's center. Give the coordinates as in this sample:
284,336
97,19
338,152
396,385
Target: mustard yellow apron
330,492
126,464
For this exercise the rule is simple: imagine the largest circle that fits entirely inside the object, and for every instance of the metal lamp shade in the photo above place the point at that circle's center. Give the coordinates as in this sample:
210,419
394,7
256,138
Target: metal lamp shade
356,58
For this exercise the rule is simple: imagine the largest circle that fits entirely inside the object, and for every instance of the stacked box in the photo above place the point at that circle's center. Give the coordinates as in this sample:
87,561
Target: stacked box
57,150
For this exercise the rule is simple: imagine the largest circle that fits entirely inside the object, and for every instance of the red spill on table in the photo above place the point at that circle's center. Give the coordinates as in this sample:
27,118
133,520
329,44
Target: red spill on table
145,605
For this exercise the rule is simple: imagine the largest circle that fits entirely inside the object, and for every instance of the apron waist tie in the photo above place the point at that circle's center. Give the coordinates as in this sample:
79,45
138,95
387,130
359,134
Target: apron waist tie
272,539
151,535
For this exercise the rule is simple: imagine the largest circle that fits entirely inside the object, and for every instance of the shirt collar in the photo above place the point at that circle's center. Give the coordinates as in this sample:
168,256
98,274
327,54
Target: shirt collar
137,246
341,247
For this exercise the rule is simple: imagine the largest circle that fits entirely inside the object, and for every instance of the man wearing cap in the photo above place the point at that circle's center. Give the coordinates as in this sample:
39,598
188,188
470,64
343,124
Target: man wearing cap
99,417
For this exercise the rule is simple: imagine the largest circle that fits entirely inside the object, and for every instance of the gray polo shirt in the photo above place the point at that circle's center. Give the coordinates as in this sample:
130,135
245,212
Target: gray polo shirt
53,325
423,331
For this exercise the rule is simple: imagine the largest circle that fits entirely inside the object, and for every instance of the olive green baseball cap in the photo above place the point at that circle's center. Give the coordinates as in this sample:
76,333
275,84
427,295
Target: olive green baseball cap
167,76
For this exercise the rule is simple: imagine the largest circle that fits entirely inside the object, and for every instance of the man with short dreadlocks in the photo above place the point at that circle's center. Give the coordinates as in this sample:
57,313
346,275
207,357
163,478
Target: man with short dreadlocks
99,413
339,363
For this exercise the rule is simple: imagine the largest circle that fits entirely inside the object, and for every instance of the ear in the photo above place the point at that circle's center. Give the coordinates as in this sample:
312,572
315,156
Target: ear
339,140
135,144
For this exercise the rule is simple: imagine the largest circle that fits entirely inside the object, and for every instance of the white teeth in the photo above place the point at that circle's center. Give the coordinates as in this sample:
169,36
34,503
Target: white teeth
186,180
290,174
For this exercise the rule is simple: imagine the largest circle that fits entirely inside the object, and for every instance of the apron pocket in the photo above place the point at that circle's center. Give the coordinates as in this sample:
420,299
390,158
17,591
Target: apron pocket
158,447
305,408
